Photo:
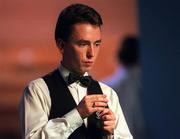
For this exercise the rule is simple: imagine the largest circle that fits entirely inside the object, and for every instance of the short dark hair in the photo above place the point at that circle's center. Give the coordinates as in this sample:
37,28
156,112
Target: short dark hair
73,14
128,53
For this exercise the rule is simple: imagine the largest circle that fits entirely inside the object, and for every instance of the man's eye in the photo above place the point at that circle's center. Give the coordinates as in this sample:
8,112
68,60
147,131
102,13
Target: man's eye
97,44
82,44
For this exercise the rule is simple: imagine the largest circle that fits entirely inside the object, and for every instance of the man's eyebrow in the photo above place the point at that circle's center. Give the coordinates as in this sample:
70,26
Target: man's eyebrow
82,41
87,41
98,41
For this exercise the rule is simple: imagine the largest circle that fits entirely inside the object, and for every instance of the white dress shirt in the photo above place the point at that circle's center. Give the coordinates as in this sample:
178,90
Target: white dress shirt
36,104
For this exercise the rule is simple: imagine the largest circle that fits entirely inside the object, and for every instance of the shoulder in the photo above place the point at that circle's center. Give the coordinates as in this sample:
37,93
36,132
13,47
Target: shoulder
36,97
37,84
37,89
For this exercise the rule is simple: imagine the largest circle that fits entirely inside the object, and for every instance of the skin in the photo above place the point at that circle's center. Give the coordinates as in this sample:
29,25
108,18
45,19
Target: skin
79,54
82,48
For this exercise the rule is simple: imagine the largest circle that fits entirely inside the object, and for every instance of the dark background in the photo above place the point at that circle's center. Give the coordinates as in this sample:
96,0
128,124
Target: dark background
160,57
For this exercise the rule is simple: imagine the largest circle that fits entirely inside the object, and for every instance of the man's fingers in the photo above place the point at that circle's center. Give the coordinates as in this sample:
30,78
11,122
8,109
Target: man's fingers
109,126
109,129
108,123
94,109
92,103
105,112
108,118
98,97
95,100
98,109
99,104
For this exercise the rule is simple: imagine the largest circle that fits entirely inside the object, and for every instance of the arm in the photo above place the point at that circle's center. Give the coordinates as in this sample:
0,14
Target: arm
34,112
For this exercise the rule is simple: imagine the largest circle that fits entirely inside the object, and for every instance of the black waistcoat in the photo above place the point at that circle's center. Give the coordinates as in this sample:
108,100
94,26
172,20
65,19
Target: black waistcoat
62,102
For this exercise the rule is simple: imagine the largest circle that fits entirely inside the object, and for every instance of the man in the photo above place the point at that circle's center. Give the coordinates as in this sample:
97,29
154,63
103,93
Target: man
67,103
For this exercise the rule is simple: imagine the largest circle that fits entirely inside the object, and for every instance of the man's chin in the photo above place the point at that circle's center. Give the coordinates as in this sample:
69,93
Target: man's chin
87,69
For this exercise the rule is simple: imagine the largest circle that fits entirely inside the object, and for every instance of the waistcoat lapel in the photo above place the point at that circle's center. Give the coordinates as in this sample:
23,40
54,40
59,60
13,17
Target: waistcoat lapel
95,124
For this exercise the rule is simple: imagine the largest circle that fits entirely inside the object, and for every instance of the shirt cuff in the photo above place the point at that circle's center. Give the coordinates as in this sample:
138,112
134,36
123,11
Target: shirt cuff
73,118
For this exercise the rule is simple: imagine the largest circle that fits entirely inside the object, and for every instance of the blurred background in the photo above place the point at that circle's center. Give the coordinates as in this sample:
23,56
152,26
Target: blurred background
28,51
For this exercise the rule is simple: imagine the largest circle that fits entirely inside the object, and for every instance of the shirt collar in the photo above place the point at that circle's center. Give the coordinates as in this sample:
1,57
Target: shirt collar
65,72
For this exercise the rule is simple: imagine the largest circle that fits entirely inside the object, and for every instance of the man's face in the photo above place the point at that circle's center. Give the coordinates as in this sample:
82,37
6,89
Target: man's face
81,50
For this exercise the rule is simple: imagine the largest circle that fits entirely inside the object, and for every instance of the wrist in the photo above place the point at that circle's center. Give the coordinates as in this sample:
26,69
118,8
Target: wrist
80,112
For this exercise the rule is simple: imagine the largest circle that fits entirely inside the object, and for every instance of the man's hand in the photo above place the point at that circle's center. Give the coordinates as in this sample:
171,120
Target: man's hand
109,120
90,104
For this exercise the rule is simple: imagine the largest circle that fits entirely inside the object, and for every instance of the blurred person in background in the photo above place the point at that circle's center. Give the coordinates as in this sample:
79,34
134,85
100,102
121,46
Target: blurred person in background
68,103
126,82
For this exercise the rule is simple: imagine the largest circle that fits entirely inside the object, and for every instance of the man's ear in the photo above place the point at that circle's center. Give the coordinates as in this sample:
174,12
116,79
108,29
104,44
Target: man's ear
60,44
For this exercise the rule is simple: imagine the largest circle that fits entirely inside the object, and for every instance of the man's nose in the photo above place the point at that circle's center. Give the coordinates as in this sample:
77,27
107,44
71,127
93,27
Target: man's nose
90,51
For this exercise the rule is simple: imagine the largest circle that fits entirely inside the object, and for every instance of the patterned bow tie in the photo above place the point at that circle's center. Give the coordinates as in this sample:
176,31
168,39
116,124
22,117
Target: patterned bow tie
84,80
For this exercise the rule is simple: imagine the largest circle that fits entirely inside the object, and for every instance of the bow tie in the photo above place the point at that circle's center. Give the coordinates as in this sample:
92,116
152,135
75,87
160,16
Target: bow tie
84,80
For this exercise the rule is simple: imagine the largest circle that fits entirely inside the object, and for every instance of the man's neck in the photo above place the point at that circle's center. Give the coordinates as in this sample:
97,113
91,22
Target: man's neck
71,70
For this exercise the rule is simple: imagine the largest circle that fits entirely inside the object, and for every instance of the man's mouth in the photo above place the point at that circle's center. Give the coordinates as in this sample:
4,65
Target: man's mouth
88,63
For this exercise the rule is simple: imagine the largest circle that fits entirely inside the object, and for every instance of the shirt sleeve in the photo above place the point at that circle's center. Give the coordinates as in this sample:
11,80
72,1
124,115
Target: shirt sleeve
34,112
